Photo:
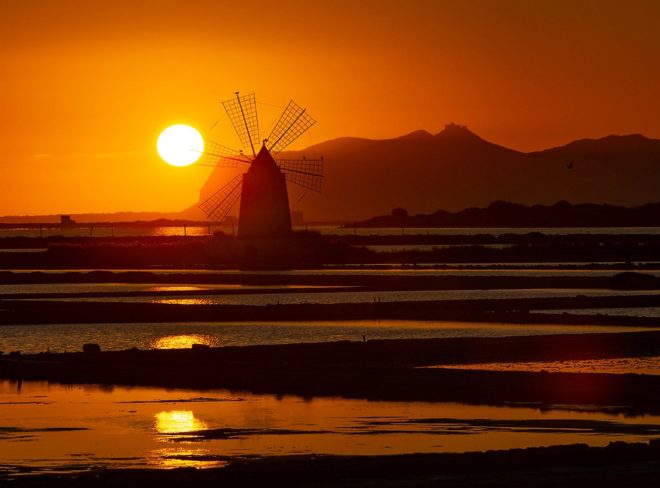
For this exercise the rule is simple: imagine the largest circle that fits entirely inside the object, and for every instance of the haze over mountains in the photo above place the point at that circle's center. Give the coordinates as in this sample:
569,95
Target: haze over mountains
456,169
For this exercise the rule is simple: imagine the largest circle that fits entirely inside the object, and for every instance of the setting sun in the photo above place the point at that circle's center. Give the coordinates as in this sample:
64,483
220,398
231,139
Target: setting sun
180,145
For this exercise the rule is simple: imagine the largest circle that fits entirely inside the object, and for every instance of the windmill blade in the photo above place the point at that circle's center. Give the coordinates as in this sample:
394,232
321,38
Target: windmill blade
293,122
216,154
242,113
307,173
218,205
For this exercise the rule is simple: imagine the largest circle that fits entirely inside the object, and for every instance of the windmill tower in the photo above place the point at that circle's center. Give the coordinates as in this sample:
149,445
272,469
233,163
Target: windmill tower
264,209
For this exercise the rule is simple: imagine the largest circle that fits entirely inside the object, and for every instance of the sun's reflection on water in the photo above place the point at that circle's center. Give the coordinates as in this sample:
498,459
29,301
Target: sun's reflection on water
184,458
165,288
172,422
182,341
184,301
177,421
158,428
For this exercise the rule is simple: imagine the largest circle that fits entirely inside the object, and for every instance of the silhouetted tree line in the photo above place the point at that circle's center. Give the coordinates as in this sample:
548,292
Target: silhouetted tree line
506,214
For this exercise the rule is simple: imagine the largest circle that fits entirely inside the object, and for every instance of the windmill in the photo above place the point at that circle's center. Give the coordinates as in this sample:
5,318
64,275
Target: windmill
264,208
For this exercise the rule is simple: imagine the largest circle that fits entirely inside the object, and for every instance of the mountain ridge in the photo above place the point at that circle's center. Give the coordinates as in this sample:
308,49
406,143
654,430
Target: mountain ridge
456,169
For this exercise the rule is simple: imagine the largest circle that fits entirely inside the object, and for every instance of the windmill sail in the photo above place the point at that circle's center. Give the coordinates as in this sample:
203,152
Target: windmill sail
218,205
307,173
242,113
222,156
264,211
293,122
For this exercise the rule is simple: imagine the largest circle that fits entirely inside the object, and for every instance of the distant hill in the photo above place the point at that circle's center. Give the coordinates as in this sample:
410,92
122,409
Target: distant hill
456,169
505,214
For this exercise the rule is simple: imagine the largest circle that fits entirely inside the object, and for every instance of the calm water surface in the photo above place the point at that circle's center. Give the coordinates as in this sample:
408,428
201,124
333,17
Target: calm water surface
156,288
636,365
467,231
51,427
619,312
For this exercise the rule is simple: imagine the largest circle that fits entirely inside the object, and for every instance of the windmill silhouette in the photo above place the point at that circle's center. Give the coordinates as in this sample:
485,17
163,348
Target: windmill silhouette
264,209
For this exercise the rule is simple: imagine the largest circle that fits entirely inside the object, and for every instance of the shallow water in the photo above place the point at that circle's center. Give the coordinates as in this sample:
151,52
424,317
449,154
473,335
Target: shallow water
619,312
430,247
636,365
51,427
71,337
468,231
156,288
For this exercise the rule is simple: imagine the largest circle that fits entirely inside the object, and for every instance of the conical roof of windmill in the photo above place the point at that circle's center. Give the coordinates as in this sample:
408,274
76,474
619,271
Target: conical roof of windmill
264,158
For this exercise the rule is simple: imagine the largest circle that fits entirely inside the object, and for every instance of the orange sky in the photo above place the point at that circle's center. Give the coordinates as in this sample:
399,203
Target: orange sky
87,86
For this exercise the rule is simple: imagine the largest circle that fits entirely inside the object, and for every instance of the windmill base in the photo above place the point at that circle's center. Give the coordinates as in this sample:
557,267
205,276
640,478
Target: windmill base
264,200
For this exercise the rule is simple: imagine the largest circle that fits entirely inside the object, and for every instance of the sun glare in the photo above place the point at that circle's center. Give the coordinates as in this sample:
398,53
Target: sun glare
178,421
181,341
180,145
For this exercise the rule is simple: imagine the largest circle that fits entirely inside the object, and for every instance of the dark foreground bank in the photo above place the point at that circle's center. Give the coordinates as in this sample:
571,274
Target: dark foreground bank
307,249
375,370
617,465
514,310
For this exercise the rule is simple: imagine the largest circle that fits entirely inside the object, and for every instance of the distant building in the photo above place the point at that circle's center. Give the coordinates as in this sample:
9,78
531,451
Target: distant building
66,220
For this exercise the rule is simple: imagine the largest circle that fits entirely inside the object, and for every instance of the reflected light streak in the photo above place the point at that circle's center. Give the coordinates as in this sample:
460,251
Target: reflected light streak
180,231
177,421
174,288
184,301
182,341
184,458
